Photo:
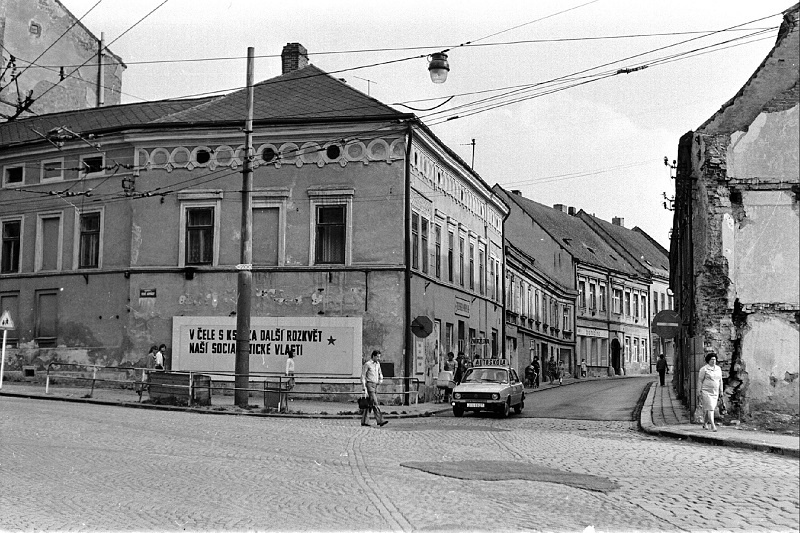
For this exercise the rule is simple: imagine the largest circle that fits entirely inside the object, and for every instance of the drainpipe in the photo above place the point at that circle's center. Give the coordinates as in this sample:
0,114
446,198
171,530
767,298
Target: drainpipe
503,277
407,340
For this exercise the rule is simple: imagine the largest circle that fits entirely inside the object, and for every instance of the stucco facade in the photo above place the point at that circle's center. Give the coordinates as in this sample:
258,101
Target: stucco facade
736,234
351,219
29,29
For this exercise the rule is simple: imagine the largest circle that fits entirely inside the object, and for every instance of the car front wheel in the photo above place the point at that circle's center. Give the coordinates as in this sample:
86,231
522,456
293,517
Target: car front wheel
458,411
505,409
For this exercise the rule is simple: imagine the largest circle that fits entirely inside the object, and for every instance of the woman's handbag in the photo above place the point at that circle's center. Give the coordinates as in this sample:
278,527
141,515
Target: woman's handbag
722,409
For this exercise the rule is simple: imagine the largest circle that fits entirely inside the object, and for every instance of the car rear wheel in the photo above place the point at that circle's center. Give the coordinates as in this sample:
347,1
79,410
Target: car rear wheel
519,406
458,411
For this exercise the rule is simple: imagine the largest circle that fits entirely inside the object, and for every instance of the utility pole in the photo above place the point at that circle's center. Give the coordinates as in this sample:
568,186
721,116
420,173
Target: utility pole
101,74
245,268
472,166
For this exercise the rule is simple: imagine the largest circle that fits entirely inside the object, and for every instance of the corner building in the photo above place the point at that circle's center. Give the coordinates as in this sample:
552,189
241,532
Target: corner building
363,221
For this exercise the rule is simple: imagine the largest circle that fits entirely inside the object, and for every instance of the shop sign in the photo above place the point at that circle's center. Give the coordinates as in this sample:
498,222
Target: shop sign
462,307
591,332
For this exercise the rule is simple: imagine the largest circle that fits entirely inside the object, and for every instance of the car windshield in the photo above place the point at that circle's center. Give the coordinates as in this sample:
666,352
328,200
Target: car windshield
486,375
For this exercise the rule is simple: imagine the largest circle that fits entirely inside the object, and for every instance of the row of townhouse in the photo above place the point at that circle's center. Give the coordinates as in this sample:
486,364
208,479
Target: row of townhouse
121,228
583,289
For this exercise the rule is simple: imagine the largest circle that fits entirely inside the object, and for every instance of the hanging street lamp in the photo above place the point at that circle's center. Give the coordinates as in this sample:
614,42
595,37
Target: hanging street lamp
438,67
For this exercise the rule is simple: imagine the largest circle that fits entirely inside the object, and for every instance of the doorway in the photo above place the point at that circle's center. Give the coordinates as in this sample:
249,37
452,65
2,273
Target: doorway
615,356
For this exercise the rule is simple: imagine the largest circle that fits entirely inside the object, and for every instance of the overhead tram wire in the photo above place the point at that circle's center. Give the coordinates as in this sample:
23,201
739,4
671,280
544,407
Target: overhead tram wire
399,49
528,85
222,92
604,65
657,49
382,62
639,66
468,43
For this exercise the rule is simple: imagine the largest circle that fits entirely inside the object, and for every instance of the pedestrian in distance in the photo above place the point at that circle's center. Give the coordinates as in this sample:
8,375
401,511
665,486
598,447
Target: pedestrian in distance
552,370
450,364
562,370
583,368
371,377
709,386
158,358
661,367
163,350
530,375
538,371
461,368
445,380
289,374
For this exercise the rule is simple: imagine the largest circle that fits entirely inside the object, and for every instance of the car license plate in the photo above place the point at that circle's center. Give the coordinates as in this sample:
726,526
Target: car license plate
476,405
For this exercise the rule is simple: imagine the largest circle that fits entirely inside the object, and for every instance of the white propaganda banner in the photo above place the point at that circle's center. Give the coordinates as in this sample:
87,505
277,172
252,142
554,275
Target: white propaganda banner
323,345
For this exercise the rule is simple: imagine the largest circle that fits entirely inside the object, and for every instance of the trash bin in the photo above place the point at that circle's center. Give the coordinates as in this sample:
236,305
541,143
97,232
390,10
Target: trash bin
272,394
173,388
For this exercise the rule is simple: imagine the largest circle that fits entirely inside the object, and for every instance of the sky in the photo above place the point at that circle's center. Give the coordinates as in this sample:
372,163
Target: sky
574,131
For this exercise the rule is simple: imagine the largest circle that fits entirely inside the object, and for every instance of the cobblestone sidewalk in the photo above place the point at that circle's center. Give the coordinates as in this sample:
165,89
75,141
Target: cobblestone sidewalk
663,414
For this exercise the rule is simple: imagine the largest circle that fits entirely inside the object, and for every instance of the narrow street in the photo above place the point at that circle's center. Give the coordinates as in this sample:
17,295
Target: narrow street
603,399
90,467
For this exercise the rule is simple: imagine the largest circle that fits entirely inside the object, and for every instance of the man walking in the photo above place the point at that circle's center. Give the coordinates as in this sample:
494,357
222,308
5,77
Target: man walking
661,366
371,377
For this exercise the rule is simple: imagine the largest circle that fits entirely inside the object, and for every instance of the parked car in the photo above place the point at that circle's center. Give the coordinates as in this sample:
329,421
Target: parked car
489,388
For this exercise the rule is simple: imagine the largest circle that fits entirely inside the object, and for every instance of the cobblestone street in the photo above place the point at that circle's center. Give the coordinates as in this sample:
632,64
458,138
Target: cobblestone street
89,467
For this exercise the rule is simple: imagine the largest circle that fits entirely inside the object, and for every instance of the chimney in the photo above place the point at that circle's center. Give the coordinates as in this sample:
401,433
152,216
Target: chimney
618,221
560,207
294,57
572,211
517,192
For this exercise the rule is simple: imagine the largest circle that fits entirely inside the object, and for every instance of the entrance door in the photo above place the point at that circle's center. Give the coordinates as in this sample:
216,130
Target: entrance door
47,318
615,356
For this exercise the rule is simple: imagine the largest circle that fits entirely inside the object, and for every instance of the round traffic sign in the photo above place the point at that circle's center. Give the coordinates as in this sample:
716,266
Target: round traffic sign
421,326
666,324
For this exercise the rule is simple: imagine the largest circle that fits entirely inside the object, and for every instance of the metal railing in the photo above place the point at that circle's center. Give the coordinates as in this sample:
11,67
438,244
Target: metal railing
274,382
56,370
263,383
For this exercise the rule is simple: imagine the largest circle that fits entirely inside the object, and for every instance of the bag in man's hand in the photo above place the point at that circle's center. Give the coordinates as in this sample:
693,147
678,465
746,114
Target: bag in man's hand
364,403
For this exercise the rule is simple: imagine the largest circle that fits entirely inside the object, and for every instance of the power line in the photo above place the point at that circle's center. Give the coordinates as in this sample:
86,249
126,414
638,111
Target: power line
596,77
402,48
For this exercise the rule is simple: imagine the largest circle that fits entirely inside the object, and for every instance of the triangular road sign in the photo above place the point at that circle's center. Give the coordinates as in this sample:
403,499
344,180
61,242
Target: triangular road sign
5,321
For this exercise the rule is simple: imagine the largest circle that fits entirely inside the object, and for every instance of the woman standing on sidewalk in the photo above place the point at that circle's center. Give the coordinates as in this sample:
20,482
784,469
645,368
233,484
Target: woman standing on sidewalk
709,385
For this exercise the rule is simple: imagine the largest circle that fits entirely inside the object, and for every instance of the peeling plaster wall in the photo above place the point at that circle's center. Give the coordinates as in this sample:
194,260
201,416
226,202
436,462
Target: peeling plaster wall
761,244
770,351
28,28
747,258
768,149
